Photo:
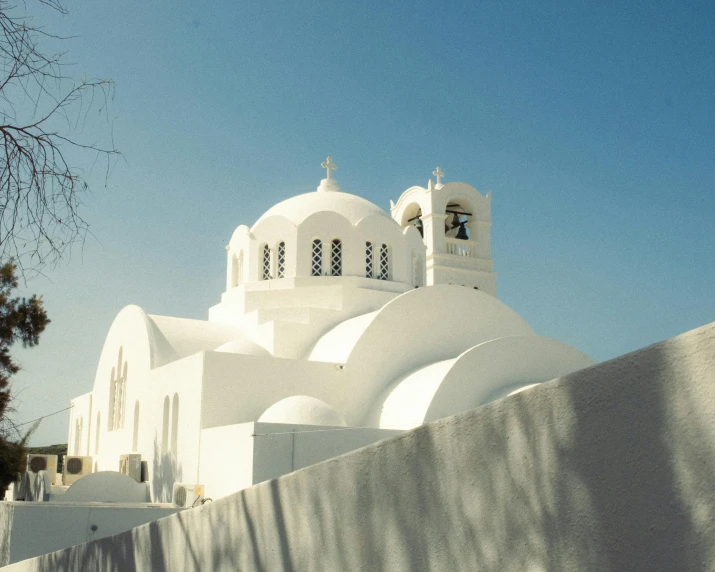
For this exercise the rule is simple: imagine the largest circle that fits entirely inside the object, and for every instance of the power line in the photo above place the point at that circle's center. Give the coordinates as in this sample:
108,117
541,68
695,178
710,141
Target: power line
48,415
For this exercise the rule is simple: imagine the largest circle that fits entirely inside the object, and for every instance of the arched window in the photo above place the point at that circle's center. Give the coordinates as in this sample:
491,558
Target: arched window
368,260
239,269
89,427
316,261
174,422
117,394
96,437
266,263
336,258
234,271
417,270
135,437
77,436
165,427
281,270
384,263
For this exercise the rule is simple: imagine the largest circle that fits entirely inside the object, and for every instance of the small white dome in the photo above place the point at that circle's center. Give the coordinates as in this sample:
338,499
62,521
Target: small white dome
298,208
302,410
243,346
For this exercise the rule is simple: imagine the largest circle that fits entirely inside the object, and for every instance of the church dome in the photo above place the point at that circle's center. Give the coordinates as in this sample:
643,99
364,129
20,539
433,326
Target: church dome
297,209
302,410
327,236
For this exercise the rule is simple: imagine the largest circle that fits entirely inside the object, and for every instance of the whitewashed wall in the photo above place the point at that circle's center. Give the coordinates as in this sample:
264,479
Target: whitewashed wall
611,468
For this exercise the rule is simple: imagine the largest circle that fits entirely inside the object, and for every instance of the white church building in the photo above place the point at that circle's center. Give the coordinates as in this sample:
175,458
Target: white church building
336,329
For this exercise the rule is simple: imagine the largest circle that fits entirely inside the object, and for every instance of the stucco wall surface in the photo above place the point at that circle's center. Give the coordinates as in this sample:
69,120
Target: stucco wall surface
611,468
33,528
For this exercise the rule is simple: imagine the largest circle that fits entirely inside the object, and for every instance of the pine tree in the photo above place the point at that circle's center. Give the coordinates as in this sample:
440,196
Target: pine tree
21,320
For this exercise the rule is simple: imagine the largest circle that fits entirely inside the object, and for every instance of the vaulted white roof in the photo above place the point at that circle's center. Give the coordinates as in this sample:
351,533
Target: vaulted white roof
298,208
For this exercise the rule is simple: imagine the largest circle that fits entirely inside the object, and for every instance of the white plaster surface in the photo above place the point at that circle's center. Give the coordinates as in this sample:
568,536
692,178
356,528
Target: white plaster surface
608,469
106,487
332,361
298,208
235,457
302,410
30,529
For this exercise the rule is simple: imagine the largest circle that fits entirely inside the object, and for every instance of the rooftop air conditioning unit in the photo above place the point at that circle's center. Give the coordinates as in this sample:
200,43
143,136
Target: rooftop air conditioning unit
130,464
187,496
37,463
75,468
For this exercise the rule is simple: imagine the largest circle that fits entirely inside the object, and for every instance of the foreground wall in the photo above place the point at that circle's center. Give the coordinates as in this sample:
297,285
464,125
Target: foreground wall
32,528
611,468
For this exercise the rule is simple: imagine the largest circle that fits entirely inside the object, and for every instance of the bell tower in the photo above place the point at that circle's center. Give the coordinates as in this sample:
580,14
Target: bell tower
455,221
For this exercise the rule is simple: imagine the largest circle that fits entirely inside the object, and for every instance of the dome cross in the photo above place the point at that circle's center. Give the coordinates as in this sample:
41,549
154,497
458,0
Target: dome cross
439,174
329,166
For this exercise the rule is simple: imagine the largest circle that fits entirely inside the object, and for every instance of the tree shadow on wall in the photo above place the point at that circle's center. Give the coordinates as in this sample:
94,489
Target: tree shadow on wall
605,470
166,471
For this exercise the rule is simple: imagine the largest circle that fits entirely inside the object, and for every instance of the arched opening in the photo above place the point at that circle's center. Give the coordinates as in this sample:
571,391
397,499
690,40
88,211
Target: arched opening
112,397
384,263
458,222
234,271
165,427
174,422
135,435
336,258
122,397
369,260
77,436
316,260
89,426
281,269
412,216
266,266
117,394
239,269
96,437
417,270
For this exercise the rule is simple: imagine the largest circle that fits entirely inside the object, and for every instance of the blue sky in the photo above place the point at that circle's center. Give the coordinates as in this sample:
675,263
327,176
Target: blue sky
593,123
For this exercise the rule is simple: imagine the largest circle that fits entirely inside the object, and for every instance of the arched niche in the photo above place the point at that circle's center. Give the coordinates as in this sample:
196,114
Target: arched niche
460,212
412,216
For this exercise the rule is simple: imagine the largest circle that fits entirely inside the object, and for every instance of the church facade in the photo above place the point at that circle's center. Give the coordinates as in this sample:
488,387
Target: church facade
334,331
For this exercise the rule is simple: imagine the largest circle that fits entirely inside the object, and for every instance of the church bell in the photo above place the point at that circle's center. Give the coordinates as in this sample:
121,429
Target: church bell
462,232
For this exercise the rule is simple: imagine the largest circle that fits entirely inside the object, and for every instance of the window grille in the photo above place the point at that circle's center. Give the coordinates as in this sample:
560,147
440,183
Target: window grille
368,260
281,260
336,258
266,263
316,266
384,263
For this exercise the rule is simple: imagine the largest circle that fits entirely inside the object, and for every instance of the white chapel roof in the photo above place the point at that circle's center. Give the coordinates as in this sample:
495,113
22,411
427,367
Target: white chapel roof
298,208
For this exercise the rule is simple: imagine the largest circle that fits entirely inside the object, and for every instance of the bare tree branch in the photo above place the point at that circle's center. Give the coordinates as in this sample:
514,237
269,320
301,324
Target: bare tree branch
40,111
